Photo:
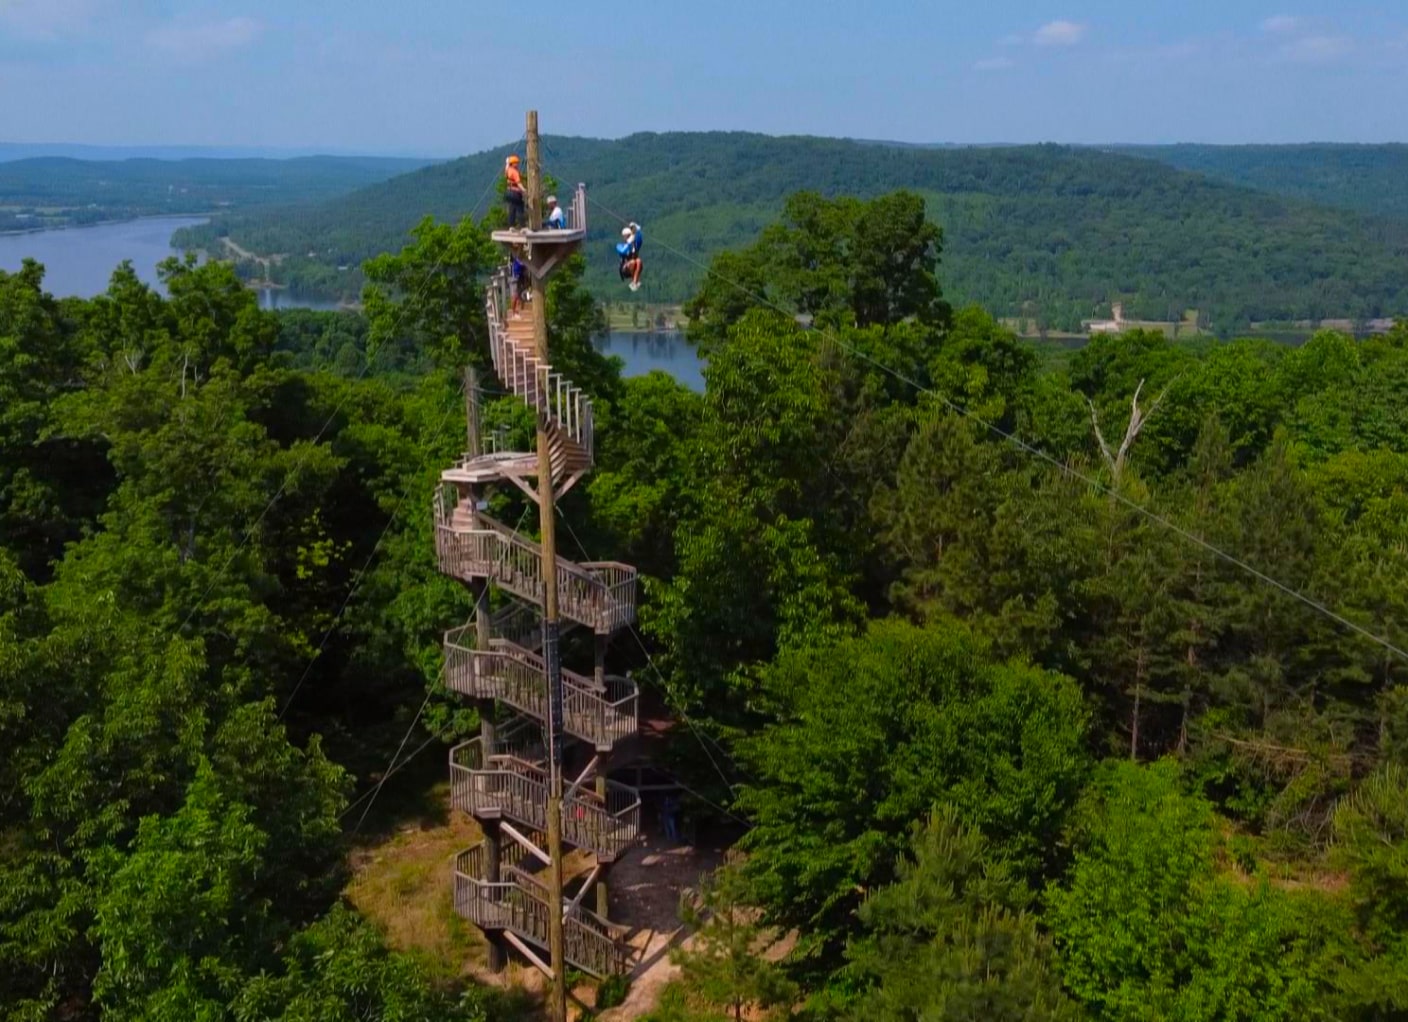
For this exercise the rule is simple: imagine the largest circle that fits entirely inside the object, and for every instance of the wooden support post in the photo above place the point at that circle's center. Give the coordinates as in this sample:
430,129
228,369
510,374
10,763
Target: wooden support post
495,958
602,900
552,656
599,678
471,412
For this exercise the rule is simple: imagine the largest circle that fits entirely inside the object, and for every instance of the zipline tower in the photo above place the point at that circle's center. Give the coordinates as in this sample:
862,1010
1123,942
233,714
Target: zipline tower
511,778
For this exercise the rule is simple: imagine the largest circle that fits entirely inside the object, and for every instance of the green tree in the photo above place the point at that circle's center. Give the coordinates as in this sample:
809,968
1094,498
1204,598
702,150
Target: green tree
339,969
871,733
1147,929
952,937
729,962
1371,831
430,295
763,562
842,262
51,484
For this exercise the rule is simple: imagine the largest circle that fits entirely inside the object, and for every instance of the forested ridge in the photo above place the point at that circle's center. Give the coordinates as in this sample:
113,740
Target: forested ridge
1367,178
1007,739
1052,233
55,191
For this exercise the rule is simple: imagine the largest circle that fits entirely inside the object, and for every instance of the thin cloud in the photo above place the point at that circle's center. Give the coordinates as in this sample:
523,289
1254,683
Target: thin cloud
201,41
1317,49
1059,33
995,64
1282,24
46,19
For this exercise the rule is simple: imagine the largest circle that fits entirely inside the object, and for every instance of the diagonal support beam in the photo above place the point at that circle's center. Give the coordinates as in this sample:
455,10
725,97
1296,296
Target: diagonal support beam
522,483
587,771
588,882
570,482
587,885
527,845
528,952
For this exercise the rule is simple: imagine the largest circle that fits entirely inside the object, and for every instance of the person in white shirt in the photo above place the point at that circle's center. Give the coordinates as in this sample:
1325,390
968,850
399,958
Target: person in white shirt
556,219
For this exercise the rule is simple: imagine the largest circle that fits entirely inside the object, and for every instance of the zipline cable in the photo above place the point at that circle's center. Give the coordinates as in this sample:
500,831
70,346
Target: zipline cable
678,707
1036,452
313,444
391,767
361,576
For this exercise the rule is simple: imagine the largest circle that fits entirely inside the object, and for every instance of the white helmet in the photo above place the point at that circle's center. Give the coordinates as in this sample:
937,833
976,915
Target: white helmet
625,232
552,200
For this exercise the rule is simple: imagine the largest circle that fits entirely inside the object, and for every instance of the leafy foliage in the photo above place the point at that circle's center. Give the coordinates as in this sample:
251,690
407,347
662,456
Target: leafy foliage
874,731
901,639
731,963
1147,929
952,937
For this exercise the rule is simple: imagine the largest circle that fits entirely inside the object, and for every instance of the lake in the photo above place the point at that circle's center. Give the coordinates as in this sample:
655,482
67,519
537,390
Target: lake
644,352
79,261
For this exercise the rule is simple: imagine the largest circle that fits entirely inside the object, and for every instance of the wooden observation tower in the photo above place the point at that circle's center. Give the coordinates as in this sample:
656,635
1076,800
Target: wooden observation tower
541,723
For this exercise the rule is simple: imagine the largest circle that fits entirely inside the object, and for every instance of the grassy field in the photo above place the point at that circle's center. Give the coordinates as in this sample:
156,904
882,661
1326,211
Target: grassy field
402,883
633,318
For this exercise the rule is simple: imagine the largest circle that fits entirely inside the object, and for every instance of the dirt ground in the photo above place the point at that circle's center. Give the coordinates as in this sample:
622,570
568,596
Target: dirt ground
401,880
645,896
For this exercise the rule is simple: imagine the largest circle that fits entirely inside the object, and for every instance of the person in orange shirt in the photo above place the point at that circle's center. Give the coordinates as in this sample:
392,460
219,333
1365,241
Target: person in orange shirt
513,194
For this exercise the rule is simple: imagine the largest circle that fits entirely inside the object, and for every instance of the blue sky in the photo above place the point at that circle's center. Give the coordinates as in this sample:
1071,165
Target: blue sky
439,77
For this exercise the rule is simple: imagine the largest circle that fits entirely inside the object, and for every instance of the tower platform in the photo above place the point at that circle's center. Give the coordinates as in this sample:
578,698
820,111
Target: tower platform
542,250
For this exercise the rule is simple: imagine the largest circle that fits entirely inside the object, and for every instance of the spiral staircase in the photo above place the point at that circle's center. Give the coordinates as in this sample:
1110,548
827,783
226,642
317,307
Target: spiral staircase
501,778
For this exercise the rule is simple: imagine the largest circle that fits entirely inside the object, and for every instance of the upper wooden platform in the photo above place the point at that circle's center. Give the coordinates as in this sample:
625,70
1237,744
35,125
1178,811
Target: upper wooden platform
542,250
545,236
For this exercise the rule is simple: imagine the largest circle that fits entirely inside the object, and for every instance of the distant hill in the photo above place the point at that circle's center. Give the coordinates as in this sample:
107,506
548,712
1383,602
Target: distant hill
1367,178
35,150
58,190
1052,232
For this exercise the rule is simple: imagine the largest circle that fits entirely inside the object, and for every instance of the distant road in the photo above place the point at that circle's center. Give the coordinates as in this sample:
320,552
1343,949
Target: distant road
244,253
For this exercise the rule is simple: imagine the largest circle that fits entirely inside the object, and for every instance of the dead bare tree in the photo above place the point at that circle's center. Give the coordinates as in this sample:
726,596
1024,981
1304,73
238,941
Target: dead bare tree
1138,419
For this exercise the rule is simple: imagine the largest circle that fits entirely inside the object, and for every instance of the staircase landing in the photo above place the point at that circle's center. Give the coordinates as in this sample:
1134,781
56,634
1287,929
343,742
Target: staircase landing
489,468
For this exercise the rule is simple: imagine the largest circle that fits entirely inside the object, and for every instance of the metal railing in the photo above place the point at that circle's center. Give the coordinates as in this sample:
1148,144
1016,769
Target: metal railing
519,904
478,899
577,211
517,676
521,738
520,624
600,594
518,790
566,405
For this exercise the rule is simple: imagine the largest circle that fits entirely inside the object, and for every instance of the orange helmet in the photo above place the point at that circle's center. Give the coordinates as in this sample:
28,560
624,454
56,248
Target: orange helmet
513,159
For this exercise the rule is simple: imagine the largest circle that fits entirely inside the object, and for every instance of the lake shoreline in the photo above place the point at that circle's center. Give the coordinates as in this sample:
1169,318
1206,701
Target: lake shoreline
109,223
79,259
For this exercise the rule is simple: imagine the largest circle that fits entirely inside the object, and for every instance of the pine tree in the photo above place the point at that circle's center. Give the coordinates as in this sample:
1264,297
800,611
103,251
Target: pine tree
727,964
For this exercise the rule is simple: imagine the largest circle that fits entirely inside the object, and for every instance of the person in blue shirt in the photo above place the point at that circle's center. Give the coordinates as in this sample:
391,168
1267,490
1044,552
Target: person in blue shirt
519,285
628,248
556,219
670,817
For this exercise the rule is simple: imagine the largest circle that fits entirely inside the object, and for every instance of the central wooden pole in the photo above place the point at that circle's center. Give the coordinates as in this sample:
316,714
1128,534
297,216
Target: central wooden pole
552,658
493,839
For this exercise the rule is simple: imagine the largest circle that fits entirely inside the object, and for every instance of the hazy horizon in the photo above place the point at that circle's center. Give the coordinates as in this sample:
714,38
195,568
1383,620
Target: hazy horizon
423,79
12,150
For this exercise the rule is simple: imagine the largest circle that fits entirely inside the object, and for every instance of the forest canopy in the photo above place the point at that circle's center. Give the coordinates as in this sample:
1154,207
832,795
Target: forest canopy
1010,730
